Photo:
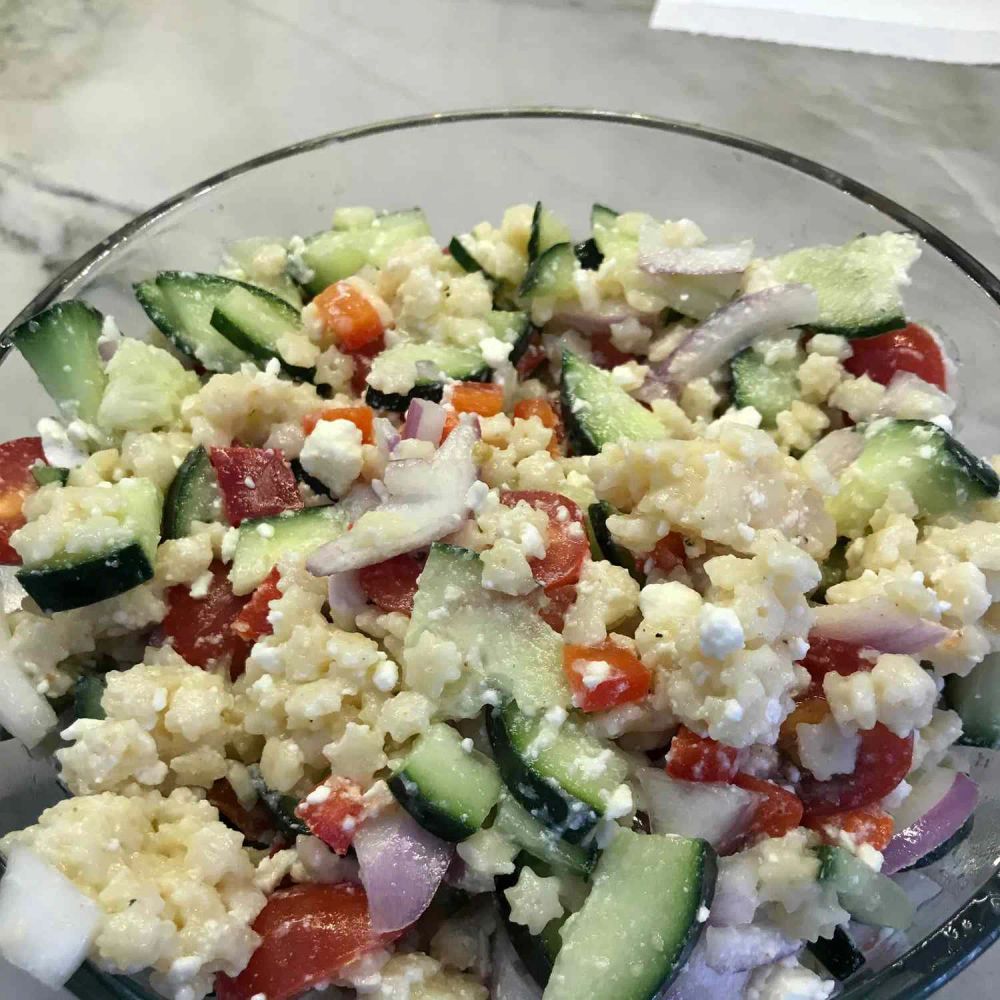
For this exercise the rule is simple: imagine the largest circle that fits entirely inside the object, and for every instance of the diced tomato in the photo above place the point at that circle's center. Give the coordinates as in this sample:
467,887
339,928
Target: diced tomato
809,711
256,824
351,319
255,482
483,398
778,813
883,761
363,417
450,423
622,677
567,545
392,584
16,483
604,354
308,934
558,601
912,349
826,655
363,358
698,758
251,623
869,825
525,409
200,629
334,816
669,552
533,356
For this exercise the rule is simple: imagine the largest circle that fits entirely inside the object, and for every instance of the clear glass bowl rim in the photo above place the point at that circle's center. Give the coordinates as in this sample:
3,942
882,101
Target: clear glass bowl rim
933,961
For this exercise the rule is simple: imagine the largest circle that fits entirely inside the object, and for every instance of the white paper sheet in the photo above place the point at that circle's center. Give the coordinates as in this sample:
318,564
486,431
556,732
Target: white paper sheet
955,31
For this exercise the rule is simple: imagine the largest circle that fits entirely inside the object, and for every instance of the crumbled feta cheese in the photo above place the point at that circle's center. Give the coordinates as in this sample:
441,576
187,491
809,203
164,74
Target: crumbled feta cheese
719,631
787,980
495,352
825,749
332,453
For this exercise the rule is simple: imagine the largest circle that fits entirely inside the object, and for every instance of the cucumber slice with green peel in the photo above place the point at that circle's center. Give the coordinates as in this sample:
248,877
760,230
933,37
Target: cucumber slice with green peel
518,825
447,789
263,541
640,922
544,770
858,284
546,231
339,253
88,690
255,322
833,570
867,895
604,229
60,344
193,495
245,254
551,274
768,388
939,473
429,365
181,304
281,807
502,638
607,548
976,698
46,474
512,327
839,955
598,411
462,256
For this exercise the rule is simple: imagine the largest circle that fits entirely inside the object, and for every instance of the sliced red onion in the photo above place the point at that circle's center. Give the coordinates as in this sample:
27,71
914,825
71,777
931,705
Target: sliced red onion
919,888
716,812
934,827
601,320
347,599
510,979
386,435
24,713
699,981
724,258
358,500
401,867
879,624
424,421
837,449
425,500
727,331
737,949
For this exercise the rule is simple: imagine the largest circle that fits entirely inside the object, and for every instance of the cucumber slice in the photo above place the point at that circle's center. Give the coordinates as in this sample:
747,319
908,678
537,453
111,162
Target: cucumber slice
193,495
462,256
544,774
551,275
976,698
509,645
255,321
281,807
446,789
604,227
639,923
598,411
46,474
607,548
60,344
858,284
517,824
546,232
244,253
833,570
839,955
88,690
870,897
939,473
511,327
263,541
339,253
769,389
181,303
432,363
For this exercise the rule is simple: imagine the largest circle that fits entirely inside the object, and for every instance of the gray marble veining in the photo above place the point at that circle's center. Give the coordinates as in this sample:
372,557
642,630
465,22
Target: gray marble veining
107,106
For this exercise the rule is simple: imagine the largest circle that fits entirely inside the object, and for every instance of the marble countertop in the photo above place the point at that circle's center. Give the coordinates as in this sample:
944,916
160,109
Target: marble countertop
106,107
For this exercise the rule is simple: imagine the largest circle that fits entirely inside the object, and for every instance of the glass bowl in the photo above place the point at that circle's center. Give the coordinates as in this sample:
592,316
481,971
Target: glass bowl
462,167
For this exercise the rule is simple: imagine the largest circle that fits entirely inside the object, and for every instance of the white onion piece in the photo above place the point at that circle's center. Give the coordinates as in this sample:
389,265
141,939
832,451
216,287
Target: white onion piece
716,812
879,624
24,713
510,979
46,924
401,867
346,598
735,901
837,450
424,420
358,500
727,331
424,502
724,258
737,949
12,594
699,981
934,827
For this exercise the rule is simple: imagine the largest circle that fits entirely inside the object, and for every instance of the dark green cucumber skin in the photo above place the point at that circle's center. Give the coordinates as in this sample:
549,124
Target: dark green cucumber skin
709,875
537,267
399,401
430,817
538,953
833,570
588,255
598,514
45,474
839,955
465,260
521,343
281,807
579,441
971,465
320,489
88,689
958,837
63,588
235,335
861,332
178,513
544,801
536,232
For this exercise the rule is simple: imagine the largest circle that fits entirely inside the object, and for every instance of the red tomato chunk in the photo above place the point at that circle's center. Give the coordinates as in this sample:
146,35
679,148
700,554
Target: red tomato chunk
255,482
698,758
619,677
16,484
251,623
391,585
332,812
567,545
912,349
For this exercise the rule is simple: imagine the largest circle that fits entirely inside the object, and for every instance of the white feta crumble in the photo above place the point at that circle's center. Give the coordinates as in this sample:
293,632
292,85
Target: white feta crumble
333,454
720,631
495,352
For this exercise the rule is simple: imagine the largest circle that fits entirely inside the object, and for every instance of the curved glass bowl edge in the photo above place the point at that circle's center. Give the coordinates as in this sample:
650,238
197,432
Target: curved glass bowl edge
946,951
